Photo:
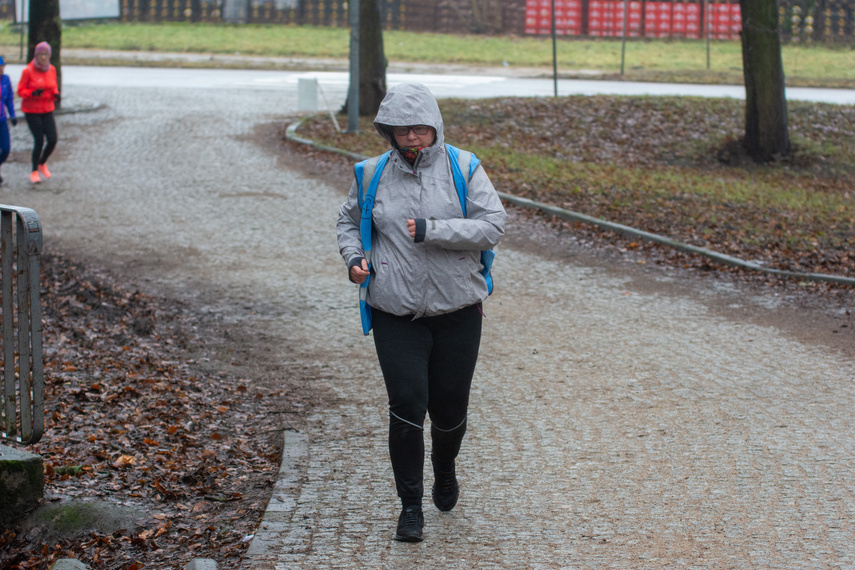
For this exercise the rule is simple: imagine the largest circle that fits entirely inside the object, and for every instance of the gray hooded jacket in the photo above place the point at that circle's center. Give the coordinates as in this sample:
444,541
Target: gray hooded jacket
441,272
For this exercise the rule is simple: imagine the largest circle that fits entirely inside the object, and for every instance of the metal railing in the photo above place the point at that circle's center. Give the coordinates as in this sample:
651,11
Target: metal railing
22,415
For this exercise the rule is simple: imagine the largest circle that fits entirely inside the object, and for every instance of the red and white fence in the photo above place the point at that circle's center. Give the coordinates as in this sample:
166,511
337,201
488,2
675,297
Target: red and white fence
644,19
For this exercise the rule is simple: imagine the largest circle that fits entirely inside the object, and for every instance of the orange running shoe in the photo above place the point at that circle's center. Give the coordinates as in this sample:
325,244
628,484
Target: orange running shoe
44,171
34,177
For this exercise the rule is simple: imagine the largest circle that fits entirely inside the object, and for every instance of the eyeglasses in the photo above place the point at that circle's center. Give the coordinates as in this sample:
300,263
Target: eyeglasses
418,129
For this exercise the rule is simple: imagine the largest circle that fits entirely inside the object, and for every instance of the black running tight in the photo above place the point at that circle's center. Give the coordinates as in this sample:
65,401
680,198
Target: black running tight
43,128
427,364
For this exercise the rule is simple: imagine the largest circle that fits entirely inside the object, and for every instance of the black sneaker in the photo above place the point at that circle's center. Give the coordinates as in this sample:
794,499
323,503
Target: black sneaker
410,524
445,490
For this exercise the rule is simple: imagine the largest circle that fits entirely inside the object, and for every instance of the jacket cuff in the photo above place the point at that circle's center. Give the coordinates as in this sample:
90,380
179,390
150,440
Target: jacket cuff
355,261
421,229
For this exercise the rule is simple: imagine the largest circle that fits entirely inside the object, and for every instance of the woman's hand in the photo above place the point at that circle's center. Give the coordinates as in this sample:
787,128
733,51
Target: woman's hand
358,273
411,227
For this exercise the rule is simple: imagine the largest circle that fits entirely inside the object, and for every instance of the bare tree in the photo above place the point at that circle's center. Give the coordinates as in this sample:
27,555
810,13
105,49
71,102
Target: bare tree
766,134
45,25
372,58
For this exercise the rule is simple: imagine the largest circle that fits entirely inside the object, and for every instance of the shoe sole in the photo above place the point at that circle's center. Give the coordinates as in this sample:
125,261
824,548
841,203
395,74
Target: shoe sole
400,538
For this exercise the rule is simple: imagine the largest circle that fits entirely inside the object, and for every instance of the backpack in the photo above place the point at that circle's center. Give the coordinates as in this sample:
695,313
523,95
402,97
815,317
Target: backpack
460,160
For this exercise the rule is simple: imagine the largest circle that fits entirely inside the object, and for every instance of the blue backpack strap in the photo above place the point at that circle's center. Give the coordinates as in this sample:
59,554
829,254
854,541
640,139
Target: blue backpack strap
462,161
460,182
465,161
359,173
373,169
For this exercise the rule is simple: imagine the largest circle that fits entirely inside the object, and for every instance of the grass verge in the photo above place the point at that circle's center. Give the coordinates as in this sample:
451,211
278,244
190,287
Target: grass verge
670,166
647,60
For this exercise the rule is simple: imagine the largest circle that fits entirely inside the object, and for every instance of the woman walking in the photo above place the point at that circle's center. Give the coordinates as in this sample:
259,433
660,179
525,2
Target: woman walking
425,292
7,112
38,91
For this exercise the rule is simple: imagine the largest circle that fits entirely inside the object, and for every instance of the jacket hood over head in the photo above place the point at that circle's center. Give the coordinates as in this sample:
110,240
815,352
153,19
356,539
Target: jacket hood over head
408,104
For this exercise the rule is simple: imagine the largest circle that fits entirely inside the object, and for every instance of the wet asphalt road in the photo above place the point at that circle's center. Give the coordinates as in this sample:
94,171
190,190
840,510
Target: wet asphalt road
501,82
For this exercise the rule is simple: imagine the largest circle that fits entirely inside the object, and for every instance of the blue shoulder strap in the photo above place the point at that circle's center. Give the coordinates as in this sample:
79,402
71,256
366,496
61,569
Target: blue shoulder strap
373,168
459,160
365,198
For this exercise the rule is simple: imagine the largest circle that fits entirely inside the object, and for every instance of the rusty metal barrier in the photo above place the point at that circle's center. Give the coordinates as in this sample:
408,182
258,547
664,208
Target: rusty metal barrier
23,388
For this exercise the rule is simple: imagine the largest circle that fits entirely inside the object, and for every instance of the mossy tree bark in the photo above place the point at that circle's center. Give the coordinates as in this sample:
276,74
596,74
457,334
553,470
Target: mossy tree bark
766,134
372,59
45,25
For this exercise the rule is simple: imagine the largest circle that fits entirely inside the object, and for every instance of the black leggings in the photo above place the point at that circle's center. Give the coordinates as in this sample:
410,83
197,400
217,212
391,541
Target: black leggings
427,364
43,127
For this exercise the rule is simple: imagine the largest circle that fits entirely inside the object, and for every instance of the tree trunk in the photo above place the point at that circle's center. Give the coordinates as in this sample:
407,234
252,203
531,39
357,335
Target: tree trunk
46,26
372,58
766,136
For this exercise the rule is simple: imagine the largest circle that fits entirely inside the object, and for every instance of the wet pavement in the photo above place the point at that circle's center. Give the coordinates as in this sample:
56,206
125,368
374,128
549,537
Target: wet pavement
206,71
617,419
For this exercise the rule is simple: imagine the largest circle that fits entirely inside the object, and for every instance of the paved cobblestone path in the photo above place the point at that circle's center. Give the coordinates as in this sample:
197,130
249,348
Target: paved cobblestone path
611,425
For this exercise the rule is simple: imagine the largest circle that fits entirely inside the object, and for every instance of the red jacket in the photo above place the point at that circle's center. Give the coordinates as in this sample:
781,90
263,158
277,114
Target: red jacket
32,79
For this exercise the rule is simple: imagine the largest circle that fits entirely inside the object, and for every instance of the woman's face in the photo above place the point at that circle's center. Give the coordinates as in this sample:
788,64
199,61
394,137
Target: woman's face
413,139
43,57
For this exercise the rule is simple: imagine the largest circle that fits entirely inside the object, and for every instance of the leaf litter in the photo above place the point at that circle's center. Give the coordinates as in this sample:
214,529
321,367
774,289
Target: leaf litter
137,415
673,166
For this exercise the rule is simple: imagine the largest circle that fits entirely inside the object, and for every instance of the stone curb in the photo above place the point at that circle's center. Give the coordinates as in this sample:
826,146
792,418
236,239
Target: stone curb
74,564
275,530
21,483
73,106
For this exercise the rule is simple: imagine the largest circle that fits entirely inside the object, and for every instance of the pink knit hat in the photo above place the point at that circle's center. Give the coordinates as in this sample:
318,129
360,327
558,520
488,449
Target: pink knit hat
41,47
